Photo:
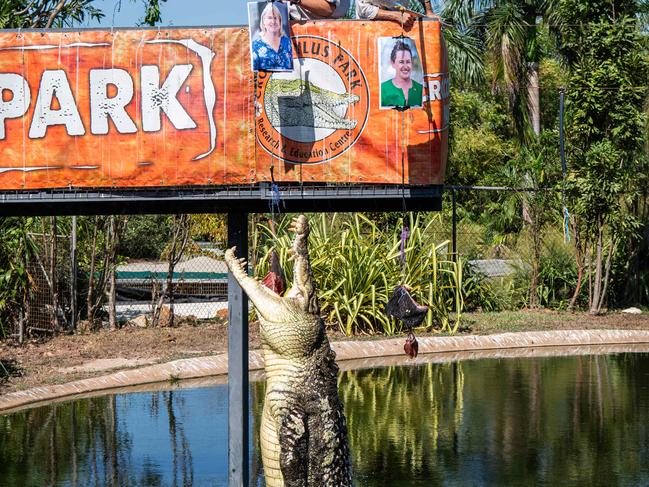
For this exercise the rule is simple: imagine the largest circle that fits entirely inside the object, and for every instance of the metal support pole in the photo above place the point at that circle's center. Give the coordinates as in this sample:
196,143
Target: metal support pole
564,169
73,272
562,153
238,428
454,236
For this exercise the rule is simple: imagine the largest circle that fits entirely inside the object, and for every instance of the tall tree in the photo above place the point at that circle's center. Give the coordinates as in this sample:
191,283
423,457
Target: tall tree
115,230
16,240
17,248
31,14
511,33
607,89
179,239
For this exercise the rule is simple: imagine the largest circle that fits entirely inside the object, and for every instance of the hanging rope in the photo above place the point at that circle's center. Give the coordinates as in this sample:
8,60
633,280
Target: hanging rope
275,278
275,196
401,305
405,231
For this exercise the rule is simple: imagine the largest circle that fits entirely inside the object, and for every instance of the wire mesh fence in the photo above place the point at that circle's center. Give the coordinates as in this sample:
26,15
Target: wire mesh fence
196,286
49,295
69,284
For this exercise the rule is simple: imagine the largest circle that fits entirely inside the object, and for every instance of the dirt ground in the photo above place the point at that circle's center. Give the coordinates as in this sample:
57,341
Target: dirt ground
70,357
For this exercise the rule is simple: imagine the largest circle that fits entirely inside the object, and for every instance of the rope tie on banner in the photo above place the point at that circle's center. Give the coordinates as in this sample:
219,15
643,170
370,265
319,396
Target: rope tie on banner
275,196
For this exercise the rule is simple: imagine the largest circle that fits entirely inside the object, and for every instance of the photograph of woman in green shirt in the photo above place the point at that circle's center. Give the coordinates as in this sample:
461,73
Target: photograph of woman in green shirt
401,90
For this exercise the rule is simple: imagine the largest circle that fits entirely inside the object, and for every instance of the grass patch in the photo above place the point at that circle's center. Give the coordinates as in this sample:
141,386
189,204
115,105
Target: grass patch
515,321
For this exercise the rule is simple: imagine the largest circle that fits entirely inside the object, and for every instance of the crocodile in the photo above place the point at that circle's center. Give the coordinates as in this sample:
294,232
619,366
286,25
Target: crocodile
300,103
303,430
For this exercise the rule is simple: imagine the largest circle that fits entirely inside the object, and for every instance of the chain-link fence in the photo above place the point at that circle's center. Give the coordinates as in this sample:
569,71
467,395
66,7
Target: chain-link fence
516,245
198,286
485,228
49,295
68,283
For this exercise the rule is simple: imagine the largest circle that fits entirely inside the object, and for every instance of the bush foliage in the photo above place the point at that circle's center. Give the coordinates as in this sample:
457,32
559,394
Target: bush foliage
357,265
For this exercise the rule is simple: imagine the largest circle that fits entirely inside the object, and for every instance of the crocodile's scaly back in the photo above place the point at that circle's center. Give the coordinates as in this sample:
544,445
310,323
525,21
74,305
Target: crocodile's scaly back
303,430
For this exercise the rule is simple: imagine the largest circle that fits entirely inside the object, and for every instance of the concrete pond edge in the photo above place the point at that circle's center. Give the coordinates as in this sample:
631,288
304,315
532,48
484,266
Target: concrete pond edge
351,354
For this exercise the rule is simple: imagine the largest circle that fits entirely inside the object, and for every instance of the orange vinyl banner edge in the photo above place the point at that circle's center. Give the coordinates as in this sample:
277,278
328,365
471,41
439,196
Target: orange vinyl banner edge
181,107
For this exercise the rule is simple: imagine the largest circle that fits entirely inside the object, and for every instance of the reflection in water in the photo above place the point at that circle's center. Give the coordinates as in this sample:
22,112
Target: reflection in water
172,438
74,441
580,420
404,416
561,421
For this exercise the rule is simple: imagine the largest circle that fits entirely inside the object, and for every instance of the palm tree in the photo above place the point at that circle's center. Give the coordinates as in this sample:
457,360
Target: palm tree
465,52
24,14
510,34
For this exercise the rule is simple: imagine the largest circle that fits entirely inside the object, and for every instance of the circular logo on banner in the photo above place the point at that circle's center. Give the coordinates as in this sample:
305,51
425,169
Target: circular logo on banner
316,112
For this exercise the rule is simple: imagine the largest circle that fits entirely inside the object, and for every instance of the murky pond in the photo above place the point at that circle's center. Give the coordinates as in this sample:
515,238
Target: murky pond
580,420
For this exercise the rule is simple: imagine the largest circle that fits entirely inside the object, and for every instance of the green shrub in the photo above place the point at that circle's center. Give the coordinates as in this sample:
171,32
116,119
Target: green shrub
17,246
484,293
557,273
357,265
145,237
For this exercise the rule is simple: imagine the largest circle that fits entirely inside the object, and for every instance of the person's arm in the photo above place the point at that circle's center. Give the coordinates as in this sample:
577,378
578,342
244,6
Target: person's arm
407,18
321,8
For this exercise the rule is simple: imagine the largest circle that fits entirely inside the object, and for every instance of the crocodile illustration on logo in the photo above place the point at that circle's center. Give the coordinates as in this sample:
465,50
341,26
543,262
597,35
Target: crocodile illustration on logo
316,112
297,102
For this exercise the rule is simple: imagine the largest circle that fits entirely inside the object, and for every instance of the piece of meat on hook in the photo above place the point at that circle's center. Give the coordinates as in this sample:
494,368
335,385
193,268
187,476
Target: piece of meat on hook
411,347
403,307
275,279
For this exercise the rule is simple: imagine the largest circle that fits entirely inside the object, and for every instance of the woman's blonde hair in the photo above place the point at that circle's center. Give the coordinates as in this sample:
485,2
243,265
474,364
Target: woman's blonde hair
271,8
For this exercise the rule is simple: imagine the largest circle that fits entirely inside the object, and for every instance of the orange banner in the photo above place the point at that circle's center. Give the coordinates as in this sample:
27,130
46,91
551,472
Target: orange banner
179,107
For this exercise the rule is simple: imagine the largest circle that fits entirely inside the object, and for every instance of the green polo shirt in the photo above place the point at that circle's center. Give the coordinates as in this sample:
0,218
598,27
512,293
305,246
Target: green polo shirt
391,96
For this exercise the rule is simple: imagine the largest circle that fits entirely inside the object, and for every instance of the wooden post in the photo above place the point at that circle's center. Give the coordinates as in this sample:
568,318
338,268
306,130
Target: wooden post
238,428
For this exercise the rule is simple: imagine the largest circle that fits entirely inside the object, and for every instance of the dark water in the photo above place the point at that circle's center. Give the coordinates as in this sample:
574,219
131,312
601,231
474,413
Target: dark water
571,421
